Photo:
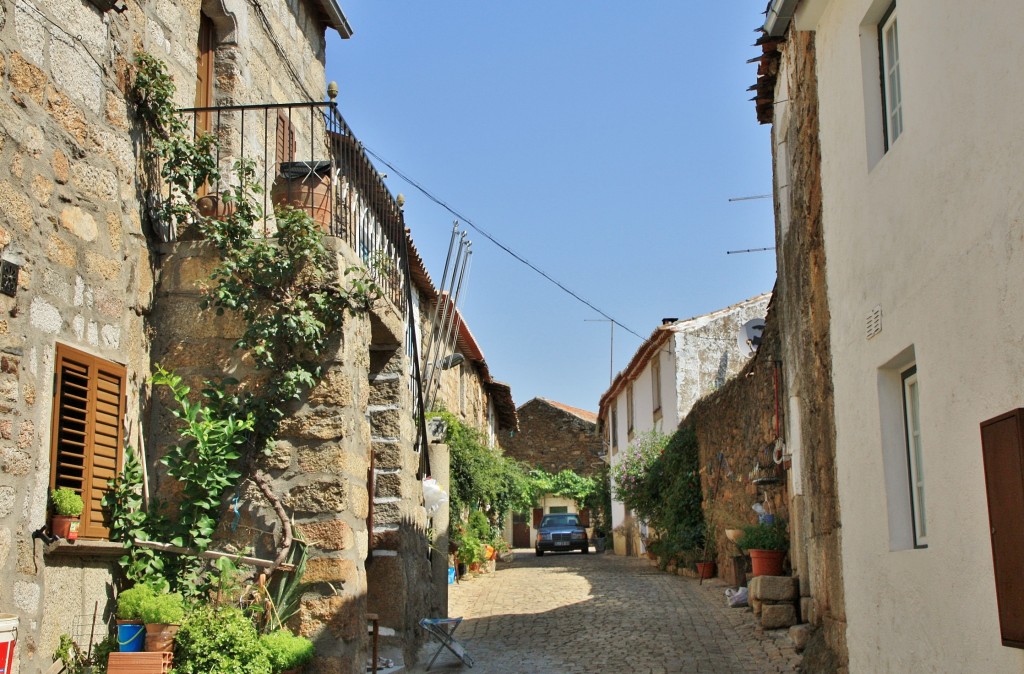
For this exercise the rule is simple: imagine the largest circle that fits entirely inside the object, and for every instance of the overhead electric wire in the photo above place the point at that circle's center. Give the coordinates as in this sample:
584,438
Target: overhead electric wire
497,243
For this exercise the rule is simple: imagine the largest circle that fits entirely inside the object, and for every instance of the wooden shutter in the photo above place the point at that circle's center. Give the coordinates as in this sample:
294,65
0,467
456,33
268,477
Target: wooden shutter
204,71
87,436
1002,443
285,146
585,517
538,515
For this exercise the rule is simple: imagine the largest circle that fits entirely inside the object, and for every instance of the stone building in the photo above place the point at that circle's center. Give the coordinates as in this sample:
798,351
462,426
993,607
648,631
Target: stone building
556,437
682,361
94,294
898,220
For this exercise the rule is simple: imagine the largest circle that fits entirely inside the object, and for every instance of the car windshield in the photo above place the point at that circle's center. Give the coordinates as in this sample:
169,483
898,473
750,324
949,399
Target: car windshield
560,521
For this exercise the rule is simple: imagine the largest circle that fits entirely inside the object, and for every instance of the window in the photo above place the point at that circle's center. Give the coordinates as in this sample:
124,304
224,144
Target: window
912,425
87,435
892,96
629,411
656,385
558,510
614,431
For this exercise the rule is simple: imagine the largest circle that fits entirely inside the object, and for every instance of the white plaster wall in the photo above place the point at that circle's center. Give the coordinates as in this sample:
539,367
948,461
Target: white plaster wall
933,233
701,354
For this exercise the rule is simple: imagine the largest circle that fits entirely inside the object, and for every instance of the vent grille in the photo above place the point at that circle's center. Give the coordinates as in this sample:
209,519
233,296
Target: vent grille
874,321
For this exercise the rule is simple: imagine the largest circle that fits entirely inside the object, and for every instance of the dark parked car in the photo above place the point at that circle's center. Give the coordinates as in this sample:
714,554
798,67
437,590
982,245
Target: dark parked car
561,532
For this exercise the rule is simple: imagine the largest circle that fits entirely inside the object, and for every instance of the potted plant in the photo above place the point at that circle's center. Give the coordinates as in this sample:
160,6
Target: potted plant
131,630
67,510
288,653
766,544
162,614
707,567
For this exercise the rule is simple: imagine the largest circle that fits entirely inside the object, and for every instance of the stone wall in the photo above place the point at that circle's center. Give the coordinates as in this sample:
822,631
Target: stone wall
554,439
69,217
804,326
738,423
72,217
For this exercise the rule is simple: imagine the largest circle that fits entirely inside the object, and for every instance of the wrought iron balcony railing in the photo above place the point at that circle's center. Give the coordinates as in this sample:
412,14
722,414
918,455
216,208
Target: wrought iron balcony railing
306,156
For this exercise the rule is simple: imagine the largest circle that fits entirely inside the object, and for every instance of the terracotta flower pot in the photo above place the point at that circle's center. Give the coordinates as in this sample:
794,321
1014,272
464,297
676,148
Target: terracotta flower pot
706,569
160,638
767,562
65,526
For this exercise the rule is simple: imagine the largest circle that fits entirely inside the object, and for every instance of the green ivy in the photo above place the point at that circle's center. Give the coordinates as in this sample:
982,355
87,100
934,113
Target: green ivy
285,287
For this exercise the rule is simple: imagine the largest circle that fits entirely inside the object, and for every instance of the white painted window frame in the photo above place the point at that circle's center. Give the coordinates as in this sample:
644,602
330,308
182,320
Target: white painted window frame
892,84
915,454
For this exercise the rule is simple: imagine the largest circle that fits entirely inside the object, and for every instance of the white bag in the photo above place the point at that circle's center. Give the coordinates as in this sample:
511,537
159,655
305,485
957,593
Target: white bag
736,598
433,496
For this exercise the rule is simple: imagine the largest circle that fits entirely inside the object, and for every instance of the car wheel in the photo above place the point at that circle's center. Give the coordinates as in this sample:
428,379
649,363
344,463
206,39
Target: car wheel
540,553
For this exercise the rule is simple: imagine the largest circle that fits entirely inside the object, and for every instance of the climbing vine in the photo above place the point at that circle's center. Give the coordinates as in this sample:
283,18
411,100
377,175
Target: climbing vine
287,289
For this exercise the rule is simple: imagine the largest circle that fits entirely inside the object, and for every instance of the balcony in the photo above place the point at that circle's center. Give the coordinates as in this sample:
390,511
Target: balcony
306,156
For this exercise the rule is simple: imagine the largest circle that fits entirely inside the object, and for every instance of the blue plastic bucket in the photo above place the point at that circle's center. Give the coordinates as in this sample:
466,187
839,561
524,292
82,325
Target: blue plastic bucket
131,637
451,575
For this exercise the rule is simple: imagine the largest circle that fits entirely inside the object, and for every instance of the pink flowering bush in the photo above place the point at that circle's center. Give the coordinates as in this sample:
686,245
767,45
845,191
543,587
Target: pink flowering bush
629,475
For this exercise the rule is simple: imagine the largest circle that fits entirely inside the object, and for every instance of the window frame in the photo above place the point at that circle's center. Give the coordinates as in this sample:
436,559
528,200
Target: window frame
891,82
656,385
66,359
630,416
915,463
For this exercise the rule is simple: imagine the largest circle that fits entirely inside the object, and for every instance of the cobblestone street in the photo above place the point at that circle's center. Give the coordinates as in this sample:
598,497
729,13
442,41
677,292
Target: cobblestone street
573,613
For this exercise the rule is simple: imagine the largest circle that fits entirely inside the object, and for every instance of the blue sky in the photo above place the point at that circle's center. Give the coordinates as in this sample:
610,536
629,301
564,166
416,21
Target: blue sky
601,141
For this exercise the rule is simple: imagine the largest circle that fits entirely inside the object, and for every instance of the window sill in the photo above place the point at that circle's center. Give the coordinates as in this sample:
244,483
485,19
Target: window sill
80,548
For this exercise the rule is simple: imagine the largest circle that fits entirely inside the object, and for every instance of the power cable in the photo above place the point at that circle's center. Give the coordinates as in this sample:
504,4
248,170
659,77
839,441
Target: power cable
497,243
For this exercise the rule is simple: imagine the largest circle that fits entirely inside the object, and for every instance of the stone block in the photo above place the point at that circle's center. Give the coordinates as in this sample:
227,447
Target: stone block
334,389
7,499
386,423
387,513
318,424
339,616
388,588
800,635
388,485
61,167
15,462
777,616
755,605
385,391
331,570
27,78
387,454
68,115
79,222
15,207
775,588
807,610
328,534
319,497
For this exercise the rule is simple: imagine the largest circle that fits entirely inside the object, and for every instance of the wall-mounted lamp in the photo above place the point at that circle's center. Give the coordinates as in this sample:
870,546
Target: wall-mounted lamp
448,362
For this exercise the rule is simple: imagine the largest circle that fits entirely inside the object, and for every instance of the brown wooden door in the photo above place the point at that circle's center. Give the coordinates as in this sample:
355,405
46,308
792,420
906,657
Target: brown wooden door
1002,441
520,531
585,517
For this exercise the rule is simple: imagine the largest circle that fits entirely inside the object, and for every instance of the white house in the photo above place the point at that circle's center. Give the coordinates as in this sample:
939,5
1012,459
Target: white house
679,363
922,219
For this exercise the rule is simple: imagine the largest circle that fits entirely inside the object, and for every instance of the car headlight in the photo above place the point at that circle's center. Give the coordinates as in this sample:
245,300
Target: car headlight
579,536
542,537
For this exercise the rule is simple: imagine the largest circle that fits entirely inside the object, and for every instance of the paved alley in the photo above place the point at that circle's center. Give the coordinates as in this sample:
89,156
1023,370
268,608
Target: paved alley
573,613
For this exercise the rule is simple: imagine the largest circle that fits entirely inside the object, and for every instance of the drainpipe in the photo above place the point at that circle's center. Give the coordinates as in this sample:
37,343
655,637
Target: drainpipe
780,14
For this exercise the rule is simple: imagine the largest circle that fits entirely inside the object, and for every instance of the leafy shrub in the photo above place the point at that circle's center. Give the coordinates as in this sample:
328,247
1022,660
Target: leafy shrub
764,536
219,639
629,476
286,650
163,609
67,502
130,601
